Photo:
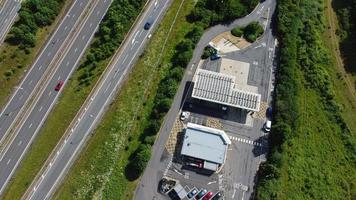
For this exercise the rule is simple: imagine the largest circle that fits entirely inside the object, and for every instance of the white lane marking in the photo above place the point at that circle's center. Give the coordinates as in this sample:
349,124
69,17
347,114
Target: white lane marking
98,12
8,162
73,16
20,97
90,25
76,49
134,37
49,53
39,110
6,20
107,87
19,143
50,92
67,63
39,68
59,77
65,28
30,125
30,82
81,3
125,58
83,37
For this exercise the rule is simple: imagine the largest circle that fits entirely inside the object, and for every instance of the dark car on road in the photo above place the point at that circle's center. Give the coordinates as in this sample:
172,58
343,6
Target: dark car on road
147,26
58,86
201,194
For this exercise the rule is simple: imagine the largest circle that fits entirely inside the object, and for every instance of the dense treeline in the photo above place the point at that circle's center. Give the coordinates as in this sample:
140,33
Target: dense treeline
217,13
303,63
112,31
33,15
346,12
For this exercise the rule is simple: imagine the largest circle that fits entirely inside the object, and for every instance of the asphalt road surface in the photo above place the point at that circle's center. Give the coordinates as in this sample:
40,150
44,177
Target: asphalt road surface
97,102
8,13
41,66
31,125
159,164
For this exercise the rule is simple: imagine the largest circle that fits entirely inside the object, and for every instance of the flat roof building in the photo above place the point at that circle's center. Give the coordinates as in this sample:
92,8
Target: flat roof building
207,144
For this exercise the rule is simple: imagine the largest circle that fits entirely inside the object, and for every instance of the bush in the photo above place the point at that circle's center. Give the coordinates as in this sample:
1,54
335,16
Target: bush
139,162
238,32
251,32
149,140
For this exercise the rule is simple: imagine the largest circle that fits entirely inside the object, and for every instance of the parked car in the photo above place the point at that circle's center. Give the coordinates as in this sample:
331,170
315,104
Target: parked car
59,86
268,126
192,193
215,57
207,196
201,194
185,115
147,26
218,196
269,112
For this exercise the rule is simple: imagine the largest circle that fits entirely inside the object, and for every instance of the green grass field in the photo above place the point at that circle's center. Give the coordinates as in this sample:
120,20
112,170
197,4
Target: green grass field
99,172
16,62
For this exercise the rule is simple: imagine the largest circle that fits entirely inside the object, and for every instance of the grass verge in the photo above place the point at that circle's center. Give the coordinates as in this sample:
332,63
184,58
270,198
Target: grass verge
14,61
100,170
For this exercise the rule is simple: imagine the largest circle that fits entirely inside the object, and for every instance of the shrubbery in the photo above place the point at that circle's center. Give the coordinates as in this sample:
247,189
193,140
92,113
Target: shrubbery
33,15
211,12
251,32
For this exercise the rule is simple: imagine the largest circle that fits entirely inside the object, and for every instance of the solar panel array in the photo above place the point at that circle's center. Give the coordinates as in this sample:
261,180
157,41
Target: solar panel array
219,88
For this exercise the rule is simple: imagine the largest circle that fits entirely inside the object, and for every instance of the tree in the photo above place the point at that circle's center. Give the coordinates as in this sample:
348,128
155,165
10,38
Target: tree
142,156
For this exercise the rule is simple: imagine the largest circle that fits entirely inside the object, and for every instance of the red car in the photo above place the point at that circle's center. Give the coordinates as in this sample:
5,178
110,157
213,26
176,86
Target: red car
207,196
58,86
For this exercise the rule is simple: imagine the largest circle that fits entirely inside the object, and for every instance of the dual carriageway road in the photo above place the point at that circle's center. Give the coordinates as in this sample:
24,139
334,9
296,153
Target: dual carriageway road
97,102
55,63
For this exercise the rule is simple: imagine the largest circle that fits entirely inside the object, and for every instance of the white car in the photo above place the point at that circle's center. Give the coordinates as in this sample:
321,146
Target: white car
185,115
268,126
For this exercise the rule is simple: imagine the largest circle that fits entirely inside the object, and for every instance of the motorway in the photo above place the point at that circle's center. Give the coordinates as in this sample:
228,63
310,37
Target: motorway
98,101
45,100
8,15
41,66
160,162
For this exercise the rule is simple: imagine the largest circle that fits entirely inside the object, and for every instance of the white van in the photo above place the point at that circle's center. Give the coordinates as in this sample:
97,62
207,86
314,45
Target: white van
268,126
